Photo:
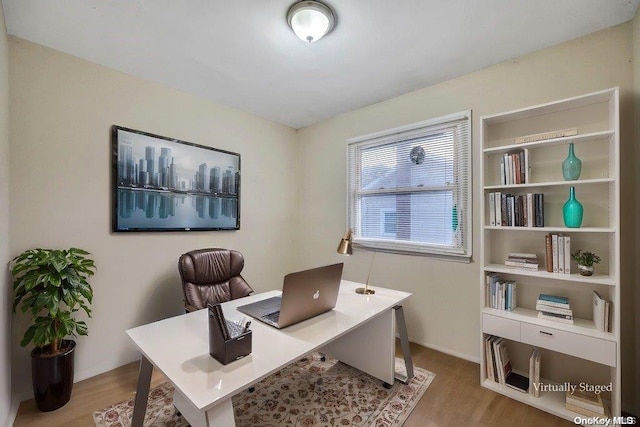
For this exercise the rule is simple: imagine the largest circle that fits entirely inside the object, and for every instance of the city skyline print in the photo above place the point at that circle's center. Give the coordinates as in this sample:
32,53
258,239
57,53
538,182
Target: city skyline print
164,184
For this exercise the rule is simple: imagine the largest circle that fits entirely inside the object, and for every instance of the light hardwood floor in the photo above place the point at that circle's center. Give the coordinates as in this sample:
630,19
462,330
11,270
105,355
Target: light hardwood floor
454,398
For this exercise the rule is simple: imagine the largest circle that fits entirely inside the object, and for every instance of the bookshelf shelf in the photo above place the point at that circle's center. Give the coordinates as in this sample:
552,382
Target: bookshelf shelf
550,142
552,229
596,117
596,279
551,184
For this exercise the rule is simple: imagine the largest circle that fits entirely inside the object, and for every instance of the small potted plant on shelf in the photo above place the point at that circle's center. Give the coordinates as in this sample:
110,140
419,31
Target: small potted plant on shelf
52,286
585,260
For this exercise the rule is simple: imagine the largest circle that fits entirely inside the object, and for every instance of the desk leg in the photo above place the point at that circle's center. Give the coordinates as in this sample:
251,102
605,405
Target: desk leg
369,348
218,416
142,392
404,342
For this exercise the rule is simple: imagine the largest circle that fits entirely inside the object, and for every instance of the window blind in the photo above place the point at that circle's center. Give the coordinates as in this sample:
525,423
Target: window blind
409,188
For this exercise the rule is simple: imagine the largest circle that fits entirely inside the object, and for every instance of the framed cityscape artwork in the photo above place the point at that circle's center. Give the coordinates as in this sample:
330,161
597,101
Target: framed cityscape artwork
164,184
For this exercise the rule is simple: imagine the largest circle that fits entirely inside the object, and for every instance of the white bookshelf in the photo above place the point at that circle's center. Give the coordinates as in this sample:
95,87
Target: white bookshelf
596,116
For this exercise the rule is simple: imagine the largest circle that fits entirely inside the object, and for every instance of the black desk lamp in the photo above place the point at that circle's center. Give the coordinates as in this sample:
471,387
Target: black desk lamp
346,248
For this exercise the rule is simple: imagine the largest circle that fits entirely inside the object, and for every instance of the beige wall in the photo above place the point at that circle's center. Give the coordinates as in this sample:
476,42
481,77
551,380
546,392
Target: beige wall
5,284
444,310
61,112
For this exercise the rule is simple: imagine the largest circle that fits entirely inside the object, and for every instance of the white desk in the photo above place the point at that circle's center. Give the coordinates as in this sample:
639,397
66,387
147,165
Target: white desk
360,331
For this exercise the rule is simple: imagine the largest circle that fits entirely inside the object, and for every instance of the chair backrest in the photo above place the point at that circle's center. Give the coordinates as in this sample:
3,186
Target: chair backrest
211,276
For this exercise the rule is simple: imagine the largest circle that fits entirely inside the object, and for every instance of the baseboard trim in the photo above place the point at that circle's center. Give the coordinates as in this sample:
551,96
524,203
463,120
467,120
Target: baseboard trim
450,352
13,411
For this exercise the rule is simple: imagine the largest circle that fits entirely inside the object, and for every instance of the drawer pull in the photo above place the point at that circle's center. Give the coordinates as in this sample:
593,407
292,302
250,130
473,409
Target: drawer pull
546,333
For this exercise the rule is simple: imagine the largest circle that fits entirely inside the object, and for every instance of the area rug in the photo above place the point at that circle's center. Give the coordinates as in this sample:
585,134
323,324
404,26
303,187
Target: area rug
309,392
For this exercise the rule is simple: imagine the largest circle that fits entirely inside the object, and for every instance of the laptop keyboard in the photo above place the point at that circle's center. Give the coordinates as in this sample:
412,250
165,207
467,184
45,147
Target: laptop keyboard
272,317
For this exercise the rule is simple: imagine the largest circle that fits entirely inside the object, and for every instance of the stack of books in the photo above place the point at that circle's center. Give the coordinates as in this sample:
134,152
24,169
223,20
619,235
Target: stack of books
585,403
601,313
534,373
525,261
552,307
499,365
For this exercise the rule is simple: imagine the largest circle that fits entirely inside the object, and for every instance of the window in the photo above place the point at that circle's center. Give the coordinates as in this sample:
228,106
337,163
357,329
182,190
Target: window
409,188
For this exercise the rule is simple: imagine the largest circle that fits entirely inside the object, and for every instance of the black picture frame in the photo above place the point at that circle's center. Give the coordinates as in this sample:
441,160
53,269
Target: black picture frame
165,184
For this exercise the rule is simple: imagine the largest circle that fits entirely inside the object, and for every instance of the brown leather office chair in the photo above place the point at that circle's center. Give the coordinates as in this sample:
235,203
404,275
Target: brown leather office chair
211,276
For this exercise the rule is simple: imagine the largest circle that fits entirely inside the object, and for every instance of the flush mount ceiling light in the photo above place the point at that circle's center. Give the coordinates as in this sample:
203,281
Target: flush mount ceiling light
310,20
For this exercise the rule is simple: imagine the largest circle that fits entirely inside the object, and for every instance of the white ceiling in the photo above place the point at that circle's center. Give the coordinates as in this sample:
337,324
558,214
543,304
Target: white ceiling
241,53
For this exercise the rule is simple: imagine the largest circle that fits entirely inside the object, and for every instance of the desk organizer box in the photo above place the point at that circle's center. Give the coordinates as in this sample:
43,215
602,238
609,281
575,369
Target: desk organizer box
226,350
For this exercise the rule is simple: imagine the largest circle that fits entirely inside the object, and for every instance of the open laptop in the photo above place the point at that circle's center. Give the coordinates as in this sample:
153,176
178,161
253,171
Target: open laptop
305,294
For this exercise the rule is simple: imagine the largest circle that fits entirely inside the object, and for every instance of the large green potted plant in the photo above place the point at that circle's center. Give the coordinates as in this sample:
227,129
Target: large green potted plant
52,286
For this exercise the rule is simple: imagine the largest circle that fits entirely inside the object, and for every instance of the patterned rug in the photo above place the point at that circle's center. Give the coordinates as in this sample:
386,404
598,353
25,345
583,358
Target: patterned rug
309,392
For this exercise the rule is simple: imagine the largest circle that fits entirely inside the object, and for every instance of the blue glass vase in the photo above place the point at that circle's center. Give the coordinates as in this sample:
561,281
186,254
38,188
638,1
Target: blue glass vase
572,210
572,166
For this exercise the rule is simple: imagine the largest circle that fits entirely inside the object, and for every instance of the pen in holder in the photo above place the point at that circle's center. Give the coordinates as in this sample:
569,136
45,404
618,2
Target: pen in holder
225,345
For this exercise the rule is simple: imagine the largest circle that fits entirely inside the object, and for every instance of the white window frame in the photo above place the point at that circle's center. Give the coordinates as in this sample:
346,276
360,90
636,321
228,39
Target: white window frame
462,191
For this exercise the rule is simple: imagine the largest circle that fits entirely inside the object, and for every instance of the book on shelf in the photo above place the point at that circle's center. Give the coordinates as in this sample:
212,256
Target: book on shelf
488,358
587,400
534,373
555,317
538,203
548,255
521,265
561,254
546,135
530,216
498,208
601,312
554,252
554,299
555,310
497,344
510,210
567,254
492,209
517,382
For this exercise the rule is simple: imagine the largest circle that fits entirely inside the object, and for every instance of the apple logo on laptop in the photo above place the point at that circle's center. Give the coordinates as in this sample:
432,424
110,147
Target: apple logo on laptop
317,294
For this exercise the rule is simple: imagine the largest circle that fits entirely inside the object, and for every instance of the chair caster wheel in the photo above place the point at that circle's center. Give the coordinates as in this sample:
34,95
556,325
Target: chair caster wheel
323,358
387,385
252,389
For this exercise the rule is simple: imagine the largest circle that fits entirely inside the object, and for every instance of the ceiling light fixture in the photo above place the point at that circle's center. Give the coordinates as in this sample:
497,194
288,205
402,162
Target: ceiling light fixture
310,20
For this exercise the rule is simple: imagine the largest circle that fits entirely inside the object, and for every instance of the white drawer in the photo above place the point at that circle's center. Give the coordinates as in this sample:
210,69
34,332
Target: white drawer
590,348
505,328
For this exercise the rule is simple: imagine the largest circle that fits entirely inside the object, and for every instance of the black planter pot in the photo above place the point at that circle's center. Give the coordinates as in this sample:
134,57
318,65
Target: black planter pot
52,376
